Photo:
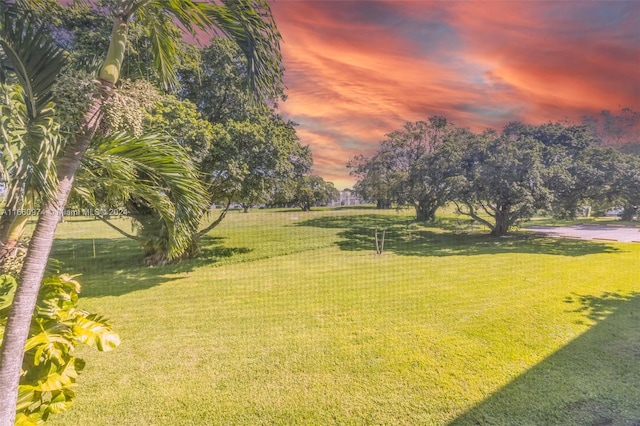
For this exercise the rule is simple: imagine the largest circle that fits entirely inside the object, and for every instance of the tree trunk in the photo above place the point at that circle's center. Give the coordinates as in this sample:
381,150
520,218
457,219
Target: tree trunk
383,204
10,240
501,226
628,213
425,212
19,320
9,217
213,224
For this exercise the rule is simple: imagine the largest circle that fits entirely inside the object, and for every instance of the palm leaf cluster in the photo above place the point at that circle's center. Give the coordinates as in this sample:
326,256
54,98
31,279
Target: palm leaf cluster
151,170
249,23
34,56
30,135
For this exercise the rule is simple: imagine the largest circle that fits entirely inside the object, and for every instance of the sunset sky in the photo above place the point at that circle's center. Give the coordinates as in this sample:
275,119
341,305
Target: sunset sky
356,70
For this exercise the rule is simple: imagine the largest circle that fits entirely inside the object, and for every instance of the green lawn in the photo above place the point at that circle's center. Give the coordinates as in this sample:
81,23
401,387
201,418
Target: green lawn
290,318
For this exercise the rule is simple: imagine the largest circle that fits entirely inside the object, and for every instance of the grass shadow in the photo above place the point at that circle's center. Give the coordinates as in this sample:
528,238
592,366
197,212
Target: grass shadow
108,266
212,252
446,237
115,266
591,381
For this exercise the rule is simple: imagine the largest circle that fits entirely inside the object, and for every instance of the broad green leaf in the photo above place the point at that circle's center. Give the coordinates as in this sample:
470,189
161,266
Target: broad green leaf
59,404
54,382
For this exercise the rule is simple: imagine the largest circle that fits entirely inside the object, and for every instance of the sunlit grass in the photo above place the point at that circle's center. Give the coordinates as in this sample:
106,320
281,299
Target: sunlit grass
291,318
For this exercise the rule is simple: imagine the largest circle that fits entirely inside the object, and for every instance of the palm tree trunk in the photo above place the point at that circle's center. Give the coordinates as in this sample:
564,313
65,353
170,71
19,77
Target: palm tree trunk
19,320
9,217
24,302
13,224
10,241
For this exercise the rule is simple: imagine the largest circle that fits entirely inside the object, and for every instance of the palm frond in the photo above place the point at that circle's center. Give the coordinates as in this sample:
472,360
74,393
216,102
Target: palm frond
29,145
164,45
251,25
158,17
31,54
190,14
28,122
151,167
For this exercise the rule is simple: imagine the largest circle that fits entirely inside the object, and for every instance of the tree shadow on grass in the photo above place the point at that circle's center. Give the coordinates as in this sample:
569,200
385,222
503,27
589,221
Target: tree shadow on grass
213,251
445,238
591,381
115,266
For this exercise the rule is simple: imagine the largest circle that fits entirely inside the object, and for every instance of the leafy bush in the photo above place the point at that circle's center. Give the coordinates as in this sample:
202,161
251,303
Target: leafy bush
50,369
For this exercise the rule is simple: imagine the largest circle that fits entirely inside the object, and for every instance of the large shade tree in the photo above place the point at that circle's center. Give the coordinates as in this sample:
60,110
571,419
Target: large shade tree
31,53
312,191
574,170
624,184
414,166
245,151
376,179
622,130
503,181
240,160
267,155
213,78
631,187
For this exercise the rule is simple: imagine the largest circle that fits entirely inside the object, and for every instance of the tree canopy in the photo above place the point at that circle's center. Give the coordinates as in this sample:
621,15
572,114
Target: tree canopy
313,190
496,178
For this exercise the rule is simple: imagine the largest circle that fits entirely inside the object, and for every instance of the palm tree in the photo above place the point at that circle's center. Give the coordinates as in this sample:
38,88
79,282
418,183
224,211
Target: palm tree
30,135
157,183
248,22
149,170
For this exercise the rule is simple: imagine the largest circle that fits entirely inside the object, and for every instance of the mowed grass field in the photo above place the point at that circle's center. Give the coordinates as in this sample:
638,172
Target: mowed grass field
290,318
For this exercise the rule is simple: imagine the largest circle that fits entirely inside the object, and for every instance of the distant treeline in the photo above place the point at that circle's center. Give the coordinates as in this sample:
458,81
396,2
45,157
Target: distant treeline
500,178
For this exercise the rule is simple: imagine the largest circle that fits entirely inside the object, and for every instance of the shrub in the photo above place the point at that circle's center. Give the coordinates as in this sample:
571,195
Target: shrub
49,368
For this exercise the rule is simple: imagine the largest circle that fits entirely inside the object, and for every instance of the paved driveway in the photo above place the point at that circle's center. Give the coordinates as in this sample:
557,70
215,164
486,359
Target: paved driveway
592,232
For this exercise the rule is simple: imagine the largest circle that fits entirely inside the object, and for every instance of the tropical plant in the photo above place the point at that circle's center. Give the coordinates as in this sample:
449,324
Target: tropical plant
120,170
30,135
155,182
50,366
32,53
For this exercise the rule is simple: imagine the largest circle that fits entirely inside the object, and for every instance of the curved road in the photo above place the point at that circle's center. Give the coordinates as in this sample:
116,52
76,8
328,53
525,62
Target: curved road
592,232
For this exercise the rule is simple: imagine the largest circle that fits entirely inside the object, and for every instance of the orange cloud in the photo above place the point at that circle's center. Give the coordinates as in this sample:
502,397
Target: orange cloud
358,70
573,58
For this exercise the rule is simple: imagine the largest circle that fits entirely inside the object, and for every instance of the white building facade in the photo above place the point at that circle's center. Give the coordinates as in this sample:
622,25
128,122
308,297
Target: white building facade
347,198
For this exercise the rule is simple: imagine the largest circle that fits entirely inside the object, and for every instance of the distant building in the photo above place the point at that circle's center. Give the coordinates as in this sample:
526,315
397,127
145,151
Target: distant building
614,211
347,198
